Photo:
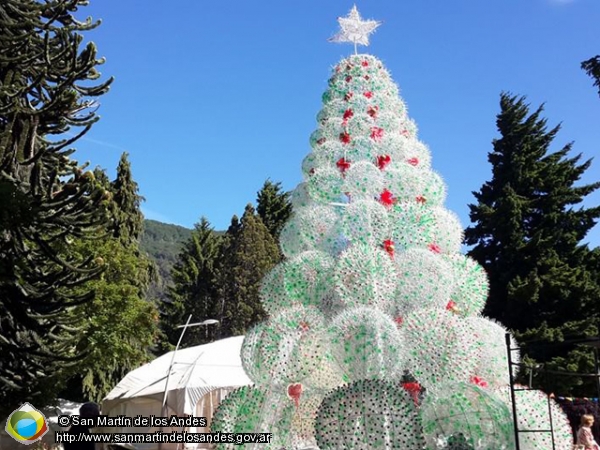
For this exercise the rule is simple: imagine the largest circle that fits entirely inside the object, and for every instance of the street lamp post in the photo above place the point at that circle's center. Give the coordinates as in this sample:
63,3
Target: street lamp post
185,327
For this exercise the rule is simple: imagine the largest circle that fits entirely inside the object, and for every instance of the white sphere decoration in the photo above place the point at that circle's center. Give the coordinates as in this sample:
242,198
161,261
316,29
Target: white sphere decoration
273,295
365,221
471,289
463,416
492,365
425,280
417,154
442,347
366,344
363,180
532,414
447,233
306,277
310,228
412,225
287,348
325,184
300,196
365,275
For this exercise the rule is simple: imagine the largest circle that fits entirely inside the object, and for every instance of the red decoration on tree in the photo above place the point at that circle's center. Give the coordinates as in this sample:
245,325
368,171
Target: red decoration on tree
405,133
399,320
294,391
434,248
413,161
414,389
348,79
367,77
348,114
386,198
376,133
372,111
311,171
304,326
343,164
421,199
479,381
388,246
368,94
451,306
348,96
345,137
365,63
383,161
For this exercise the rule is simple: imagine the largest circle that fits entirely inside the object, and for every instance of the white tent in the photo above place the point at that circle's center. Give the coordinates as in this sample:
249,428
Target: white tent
200,378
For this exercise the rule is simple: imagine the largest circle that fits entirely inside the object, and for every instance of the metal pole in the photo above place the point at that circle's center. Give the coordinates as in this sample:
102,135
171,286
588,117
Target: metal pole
164,402
512,390
597,370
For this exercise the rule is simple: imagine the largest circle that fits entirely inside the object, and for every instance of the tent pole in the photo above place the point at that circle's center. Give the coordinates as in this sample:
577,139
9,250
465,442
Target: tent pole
164,402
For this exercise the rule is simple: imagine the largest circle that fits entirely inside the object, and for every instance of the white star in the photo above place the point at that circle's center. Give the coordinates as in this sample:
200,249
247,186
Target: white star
354,29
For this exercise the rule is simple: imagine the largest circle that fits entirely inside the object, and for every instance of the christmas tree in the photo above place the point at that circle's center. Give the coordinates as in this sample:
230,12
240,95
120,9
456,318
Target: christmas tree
375,338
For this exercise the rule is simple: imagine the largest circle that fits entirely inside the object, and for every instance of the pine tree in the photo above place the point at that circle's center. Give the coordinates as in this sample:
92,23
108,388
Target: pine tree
273,207
527,234
194,290
248,253
129,220
592,68
46,89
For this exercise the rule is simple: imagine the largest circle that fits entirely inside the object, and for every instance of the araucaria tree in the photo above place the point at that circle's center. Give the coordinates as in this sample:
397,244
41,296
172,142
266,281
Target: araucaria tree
527,233
48,82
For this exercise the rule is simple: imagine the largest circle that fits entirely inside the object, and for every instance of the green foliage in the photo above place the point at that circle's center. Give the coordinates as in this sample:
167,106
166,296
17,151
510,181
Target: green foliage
119,326
273,207
592,68
128,216
248,253
47,87
194,290
527,234
162,242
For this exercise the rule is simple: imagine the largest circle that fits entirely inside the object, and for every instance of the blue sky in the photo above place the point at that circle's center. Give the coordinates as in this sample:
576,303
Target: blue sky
212,98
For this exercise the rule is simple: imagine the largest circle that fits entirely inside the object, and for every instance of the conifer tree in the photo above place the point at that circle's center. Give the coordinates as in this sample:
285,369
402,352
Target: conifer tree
592,68
248,253
273,207
194,289
527,233
129,220
48,82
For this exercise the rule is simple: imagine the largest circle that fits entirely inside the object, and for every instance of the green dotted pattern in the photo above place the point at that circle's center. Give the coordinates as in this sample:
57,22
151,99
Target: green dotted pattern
365,343
368,414
443,348
463,416
425,280
287,348
471,284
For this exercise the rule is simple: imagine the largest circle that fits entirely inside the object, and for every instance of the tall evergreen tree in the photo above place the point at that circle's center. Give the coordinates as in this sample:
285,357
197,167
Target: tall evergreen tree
248,253
527,234
273,207
129,217
46,88
592,67
194,290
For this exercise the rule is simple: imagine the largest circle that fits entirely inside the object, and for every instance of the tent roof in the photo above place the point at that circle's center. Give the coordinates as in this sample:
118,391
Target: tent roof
195,372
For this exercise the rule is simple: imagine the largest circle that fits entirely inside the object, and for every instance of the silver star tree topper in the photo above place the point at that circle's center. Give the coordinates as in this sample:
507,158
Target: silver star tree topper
354,29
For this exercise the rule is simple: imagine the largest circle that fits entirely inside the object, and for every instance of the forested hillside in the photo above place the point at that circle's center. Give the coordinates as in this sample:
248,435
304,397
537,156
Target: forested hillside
163,242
